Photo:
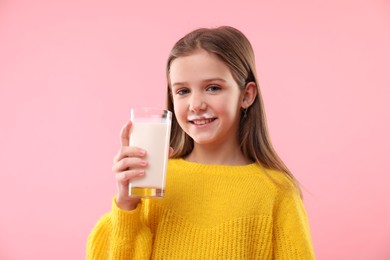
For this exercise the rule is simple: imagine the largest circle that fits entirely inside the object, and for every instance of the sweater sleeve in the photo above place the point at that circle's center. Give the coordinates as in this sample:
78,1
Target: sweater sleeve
292,239
120,235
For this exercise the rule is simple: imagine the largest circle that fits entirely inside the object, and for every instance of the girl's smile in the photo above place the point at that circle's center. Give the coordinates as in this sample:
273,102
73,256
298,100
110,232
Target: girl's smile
201,120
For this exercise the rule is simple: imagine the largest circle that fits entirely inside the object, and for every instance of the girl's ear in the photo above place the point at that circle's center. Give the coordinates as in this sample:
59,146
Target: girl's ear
249,94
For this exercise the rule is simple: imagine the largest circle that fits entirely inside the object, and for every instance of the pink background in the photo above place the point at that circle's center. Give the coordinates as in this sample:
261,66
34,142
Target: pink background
71,70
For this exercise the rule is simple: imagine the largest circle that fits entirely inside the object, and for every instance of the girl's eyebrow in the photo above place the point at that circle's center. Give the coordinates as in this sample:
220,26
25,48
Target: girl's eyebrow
177,84
214,79
205,81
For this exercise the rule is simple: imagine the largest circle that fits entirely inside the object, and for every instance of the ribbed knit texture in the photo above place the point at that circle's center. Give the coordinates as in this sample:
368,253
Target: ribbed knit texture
209,212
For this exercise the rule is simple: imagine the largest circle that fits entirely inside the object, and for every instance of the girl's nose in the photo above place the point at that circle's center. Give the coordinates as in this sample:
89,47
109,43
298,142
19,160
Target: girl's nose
197,104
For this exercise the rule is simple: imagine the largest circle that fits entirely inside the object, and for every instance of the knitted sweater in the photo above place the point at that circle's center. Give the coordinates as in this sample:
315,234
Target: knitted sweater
209,212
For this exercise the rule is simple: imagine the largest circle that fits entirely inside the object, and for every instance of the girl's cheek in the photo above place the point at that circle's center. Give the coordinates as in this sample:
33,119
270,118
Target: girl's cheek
177,109
179,104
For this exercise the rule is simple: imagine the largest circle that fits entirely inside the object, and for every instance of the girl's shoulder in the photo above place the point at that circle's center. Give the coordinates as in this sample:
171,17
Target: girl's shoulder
282,182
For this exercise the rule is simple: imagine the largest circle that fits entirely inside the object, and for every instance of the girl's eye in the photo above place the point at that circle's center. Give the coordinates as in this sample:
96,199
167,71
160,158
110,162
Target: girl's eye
213,88
182,91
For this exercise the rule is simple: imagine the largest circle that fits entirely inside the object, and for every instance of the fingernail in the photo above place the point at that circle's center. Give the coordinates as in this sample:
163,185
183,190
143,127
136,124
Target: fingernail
141,172
144,163
141,152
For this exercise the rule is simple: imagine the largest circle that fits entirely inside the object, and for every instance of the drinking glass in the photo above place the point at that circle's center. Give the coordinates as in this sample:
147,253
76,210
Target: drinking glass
151,129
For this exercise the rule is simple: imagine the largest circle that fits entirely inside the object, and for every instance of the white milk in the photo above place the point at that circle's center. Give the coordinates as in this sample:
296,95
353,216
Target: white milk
154,138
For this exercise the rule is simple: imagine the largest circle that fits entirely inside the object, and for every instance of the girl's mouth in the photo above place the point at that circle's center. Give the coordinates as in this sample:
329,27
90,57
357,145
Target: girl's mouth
202,121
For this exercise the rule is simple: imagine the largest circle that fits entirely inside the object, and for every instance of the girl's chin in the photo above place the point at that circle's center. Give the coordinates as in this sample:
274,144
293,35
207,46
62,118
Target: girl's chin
202,140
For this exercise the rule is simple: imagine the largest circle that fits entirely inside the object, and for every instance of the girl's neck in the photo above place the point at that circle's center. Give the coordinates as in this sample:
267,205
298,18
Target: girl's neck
221,155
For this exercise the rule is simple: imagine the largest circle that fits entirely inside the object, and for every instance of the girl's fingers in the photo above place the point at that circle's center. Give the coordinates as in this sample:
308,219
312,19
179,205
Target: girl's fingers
123,199
127,151
129,163
125,176
170,151
125,134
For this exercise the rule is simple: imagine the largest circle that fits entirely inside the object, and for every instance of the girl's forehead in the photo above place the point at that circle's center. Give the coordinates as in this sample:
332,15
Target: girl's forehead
198,64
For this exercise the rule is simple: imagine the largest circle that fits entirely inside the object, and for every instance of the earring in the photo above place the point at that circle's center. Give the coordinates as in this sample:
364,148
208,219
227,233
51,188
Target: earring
245,110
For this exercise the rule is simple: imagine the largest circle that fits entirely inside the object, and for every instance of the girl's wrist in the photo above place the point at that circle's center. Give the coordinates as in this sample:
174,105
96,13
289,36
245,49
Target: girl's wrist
127,204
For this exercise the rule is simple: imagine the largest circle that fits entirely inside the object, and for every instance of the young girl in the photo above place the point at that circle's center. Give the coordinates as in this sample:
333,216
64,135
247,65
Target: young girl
228,195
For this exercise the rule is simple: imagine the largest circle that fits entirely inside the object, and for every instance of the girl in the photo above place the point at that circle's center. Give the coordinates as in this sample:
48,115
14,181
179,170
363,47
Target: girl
228,194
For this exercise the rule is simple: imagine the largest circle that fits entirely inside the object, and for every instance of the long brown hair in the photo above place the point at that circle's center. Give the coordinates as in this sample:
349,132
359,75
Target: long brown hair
235,50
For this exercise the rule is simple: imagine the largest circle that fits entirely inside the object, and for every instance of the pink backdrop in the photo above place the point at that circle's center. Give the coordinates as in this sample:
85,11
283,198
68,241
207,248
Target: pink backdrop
70,71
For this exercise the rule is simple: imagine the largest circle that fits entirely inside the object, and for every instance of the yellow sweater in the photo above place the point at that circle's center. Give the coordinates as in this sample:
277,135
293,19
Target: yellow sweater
209,212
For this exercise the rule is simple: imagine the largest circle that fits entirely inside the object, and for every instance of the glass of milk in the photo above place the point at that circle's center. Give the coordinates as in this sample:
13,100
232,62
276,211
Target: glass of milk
151,130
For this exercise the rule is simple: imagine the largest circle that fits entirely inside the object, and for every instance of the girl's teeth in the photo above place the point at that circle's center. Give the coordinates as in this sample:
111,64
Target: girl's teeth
202,122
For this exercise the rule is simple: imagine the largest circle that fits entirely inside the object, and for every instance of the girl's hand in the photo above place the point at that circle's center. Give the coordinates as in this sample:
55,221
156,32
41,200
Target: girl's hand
129,163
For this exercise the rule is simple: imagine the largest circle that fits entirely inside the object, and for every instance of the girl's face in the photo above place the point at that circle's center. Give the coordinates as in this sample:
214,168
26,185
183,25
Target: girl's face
206,98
